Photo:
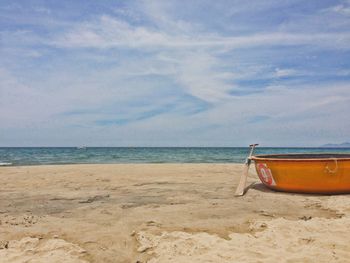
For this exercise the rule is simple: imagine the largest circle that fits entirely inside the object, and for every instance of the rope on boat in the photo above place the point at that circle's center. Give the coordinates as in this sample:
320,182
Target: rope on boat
336,166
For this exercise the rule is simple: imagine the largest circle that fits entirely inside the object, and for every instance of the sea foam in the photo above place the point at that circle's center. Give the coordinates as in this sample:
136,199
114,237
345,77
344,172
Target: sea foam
5,164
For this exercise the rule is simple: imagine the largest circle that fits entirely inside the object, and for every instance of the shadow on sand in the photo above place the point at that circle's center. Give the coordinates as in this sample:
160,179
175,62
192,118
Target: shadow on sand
262,188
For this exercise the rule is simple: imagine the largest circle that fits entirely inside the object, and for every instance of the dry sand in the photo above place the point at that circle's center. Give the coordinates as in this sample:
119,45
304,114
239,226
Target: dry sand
163,213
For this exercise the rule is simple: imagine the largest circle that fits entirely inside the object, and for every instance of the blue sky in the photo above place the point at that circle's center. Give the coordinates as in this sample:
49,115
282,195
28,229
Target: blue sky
174,73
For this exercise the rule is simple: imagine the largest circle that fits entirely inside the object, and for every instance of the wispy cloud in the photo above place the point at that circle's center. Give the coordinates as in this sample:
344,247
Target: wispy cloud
343,8
109,32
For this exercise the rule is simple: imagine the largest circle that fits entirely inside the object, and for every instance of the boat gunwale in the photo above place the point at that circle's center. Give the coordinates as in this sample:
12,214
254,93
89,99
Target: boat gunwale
273,157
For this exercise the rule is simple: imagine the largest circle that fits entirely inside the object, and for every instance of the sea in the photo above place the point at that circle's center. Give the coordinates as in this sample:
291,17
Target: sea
18,156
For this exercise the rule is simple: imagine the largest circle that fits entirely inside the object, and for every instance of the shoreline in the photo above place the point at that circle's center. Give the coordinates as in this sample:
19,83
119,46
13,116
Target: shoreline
164,155
140,163
156,212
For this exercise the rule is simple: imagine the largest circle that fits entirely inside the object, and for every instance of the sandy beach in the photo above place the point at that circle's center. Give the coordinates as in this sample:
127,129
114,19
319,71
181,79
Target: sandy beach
163,213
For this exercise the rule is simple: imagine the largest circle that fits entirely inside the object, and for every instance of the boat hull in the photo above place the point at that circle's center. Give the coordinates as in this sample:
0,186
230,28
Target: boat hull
305,173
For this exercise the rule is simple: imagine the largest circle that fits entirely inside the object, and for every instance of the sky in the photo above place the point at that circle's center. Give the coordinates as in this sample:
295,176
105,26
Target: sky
174,73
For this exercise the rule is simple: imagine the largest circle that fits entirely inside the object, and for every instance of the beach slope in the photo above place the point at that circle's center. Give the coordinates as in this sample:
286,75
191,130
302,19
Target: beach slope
163,213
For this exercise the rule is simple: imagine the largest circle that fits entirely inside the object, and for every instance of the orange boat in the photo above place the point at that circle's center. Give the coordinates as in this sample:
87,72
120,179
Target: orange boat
305,173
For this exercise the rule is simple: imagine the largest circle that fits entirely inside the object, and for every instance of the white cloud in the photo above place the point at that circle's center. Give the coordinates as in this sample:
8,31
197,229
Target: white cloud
18,102
342,9
200,74
281,73
108,32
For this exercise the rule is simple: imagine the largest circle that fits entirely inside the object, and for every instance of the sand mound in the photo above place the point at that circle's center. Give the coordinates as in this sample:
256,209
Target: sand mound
34,250
315,240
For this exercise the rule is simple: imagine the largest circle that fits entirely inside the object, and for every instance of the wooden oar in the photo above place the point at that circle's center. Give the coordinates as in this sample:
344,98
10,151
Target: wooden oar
242,182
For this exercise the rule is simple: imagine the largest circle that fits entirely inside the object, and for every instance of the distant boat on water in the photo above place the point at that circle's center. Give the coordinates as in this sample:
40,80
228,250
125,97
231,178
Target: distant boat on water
81,147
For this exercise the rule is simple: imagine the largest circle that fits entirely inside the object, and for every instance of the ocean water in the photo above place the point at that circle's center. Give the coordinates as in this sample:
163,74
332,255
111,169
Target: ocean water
71,155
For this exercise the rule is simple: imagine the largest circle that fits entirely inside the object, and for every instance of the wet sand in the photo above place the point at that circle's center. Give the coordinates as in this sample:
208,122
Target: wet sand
163,213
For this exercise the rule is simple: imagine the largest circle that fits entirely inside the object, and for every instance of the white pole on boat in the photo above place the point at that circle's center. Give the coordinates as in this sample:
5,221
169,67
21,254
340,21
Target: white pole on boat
242,182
